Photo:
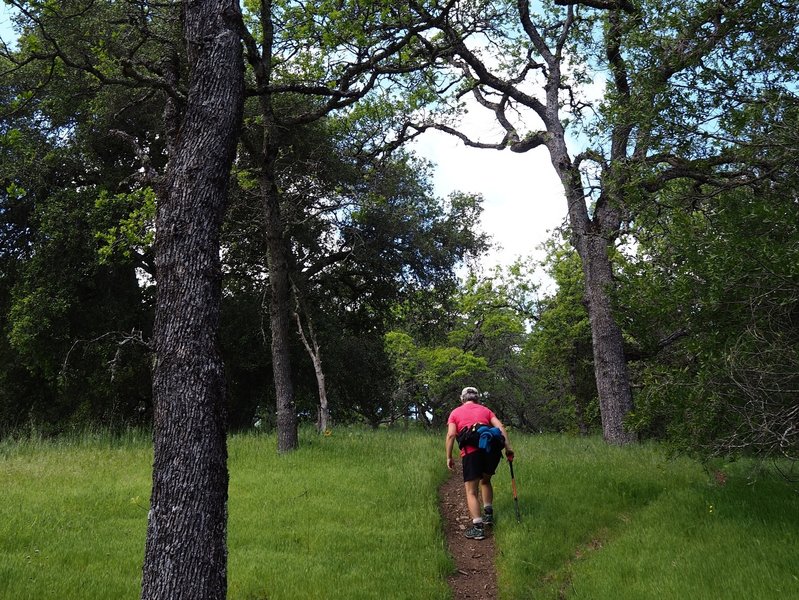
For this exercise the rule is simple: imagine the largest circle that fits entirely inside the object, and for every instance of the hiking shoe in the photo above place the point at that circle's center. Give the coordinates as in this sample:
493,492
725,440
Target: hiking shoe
488,519
475,533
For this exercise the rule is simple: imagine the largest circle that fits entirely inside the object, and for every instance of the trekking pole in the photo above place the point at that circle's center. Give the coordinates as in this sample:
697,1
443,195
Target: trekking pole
513,485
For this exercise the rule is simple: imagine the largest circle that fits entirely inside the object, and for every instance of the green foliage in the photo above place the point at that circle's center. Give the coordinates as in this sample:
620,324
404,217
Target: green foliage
135,233
429,379
480,341
496,313
359,377
694,68
560,348
247,360
71,326
365,236
719,271
63,313
534,354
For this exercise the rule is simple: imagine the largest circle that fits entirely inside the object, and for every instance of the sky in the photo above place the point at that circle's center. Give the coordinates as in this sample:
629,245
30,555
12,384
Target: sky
523,200
6,33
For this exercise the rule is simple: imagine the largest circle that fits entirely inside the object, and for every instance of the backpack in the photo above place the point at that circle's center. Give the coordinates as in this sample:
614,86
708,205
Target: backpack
469,436
481,436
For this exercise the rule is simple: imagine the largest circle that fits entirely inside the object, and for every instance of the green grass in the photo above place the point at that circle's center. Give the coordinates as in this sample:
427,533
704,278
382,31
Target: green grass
355,515
613,523
73,517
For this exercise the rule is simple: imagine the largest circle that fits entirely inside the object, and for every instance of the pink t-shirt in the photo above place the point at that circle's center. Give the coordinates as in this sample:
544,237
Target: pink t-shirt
466,415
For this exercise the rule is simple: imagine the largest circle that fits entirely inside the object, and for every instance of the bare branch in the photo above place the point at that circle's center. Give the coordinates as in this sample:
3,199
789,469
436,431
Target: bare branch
600,4
150,175
135,337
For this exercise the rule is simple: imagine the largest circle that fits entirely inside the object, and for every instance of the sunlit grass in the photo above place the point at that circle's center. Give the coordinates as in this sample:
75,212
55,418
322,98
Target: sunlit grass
600,522
73,518
355,515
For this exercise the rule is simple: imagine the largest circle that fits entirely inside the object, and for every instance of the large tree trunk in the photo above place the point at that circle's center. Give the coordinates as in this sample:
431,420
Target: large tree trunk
186,551
592,237
610,364
279,313
264,154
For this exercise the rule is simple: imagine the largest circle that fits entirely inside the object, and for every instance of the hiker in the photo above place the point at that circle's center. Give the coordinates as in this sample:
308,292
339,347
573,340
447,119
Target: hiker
480,455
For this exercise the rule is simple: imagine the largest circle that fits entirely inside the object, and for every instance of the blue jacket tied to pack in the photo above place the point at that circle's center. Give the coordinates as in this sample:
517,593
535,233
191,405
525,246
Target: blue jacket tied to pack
491,439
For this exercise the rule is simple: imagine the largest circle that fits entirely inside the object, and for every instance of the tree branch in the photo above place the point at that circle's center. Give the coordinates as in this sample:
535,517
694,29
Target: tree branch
150,175
601,4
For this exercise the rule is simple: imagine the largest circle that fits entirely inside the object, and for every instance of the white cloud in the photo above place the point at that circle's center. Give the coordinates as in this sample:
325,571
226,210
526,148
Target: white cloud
523,197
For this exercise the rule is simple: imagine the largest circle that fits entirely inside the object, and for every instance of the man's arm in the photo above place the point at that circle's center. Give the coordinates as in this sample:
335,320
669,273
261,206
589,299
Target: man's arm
498,424
452,432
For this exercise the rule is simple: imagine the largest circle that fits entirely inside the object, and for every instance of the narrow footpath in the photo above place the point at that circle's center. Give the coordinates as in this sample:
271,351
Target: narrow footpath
475,575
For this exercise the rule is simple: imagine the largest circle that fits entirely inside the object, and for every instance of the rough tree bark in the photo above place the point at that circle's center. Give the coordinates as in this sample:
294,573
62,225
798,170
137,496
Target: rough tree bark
610,364
279,309
592,238
186,551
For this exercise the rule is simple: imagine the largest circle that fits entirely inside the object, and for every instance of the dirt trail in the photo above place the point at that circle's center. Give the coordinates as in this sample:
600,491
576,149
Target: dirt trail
474,575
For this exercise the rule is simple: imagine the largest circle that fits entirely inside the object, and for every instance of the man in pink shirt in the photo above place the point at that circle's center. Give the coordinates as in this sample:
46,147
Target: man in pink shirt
478,465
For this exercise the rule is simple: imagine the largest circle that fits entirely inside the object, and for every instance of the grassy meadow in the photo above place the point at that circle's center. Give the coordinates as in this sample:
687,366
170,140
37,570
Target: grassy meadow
355,515
603,522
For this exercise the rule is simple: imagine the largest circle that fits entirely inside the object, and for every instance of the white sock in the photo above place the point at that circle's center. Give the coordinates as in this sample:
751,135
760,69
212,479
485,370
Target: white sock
478,521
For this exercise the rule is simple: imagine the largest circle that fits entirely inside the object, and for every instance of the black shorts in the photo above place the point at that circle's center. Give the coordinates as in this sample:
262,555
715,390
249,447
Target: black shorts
477,464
